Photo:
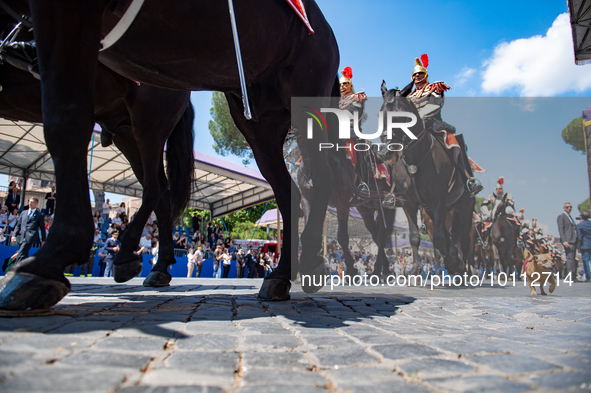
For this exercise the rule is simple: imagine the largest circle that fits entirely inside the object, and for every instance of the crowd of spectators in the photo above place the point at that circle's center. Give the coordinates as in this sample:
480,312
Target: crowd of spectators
364,263
110,224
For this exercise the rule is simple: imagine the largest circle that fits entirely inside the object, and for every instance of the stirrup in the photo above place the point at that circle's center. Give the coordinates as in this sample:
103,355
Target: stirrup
474,186
363,189
389,201
486,246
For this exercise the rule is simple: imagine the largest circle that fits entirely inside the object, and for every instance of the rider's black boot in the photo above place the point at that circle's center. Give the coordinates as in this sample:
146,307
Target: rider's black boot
472,184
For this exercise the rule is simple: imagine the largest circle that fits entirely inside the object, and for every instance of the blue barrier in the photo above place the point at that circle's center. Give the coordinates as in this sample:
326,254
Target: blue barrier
179,269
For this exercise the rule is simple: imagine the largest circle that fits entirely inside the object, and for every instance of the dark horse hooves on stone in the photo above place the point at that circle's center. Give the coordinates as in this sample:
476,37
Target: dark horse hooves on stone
126,271
26,292
275,289
157,279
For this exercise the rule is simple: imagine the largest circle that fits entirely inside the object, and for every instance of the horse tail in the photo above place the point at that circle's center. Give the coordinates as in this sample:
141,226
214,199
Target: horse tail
180,159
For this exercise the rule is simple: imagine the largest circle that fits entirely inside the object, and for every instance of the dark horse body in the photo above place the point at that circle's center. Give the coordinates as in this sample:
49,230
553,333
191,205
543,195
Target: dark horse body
185,45
431,190
343,198
504,235
127,114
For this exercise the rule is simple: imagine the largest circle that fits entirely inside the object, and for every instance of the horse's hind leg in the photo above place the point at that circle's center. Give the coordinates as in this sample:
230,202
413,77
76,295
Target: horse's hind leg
126,143
151,128
68,76
266,138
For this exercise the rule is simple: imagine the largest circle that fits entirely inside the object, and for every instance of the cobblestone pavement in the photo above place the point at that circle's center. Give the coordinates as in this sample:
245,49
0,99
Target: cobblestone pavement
213,335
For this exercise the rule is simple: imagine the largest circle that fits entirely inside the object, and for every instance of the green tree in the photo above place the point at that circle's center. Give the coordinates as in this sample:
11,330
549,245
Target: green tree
226,136
584,207
238,223
478,203
574,134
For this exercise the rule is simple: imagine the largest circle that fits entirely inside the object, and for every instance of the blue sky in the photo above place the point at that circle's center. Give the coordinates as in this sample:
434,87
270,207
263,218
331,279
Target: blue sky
481,49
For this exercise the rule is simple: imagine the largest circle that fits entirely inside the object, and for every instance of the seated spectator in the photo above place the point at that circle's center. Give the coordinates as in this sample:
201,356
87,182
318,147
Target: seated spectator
183,242
147,229
3,217
145,244
112,228
48,222
97,236
116,221
196,235
207,250
155,230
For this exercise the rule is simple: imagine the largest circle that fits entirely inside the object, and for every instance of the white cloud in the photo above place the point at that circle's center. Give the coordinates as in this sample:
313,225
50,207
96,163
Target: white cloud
464,74
537,66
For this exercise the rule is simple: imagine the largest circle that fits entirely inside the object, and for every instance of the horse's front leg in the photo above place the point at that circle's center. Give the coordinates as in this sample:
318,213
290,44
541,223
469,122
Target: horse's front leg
343,237
411,209
68,76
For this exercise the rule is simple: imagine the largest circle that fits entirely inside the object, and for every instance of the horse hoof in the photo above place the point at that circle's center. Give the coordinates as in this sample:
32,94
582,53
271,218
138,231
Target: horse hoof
320,271
126,271
22,292
275,289
157,279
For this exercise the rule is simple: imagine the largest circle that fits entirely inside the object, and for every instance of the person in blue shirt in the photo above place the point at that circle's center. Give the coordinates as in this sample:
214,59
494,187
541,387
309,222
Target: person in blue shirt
584,229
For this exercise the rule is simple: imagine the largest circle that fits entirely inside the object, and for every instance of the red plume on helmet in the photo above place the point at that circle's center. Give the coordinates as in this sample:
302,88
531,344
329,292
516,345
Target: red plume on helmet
501,180
425,60
347,72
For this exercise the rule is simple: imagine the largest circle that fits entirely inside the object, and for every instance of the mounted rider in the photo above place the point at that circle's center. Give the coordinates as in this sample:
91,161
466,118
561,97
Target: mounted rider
354,102
495,201
429,99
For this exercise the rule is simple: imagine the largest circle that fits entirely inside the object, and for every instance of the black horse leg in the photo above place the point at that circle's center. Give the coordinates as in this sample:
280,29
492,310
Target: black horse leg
384,236
67,75
463,227
343,237
411,209
441,240
266,139
151,129
126,143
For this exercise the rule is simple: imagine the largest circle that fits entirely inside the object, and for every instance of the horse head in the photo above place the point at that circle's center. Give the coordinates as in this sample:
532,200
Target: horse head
395,101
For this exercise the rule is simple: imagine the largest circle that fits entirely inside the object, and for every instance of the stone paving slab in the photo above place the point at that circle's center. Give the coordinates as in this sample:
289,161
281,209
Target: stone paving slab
214,335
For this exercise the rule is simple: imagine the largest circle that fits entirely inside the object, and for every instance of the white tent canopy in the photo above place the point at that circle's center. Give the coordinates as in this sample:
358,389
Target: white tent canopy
220,186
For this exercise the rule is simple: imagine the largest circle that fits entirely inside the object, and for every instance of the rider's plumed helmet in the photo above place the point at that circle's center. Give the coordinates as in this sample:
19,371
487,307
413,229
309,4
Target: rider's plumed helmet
347,73
421,65
500,184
